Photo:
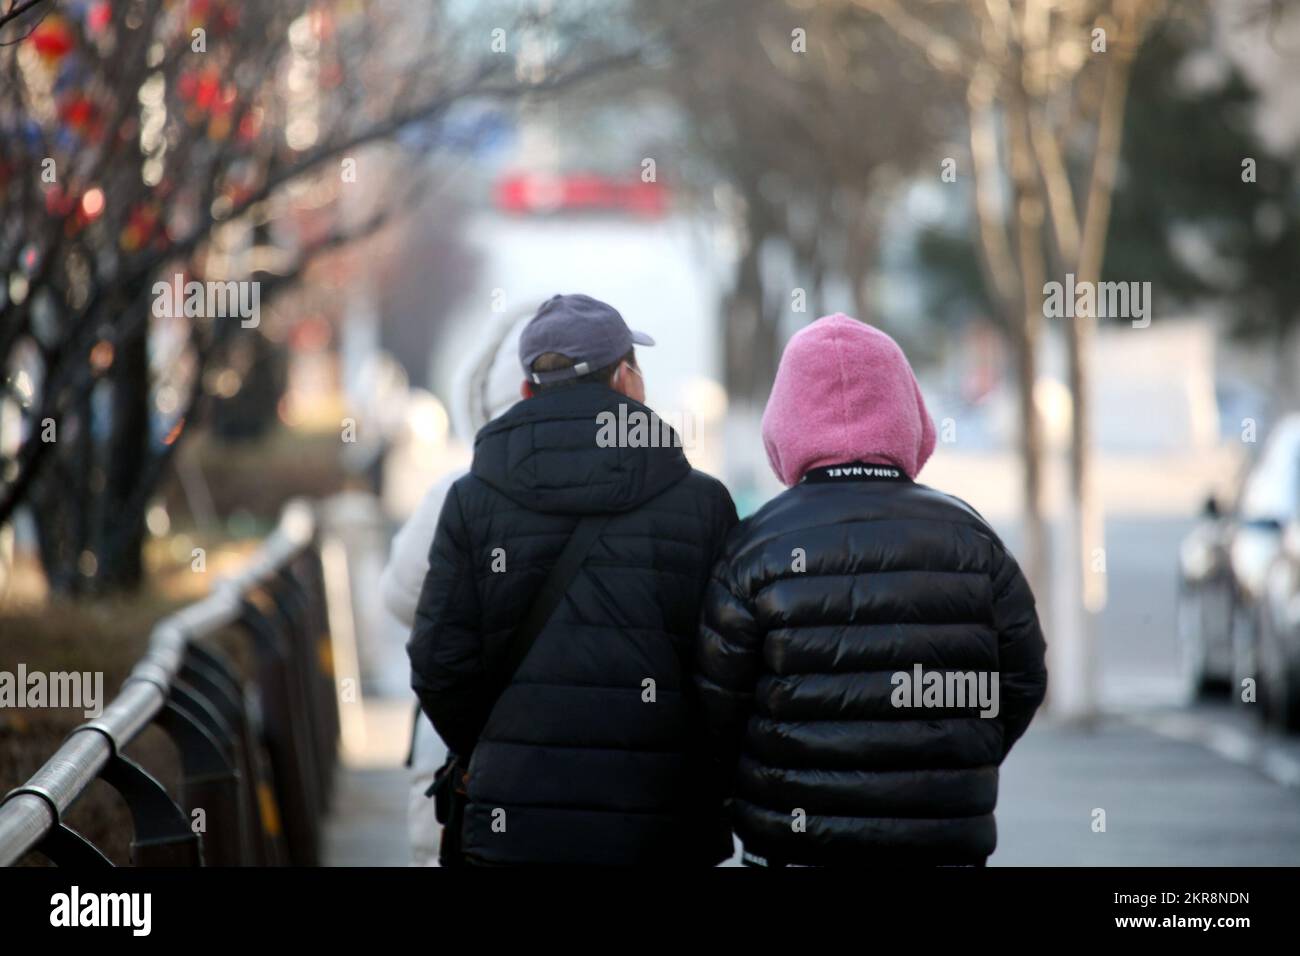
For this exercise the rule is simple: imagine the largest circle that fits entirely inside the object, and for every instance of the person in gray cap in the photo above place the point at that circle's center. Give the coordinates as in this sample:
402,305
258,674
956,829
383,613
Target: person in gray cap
553,645
576,337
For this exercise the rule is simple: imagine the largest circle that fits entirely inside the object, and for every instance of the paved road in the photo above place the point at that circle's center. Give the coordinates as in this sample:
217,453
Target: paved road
1137,637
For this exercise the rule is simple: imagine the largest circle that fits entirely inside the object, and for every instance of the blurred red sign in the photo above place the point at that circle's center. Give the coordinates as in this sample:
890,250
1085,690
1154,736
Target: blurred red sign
532,193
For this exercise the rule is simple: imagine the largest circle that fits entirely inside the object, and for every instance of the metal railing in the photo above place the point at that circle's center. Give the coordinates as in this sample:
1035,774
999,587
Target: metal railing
257,757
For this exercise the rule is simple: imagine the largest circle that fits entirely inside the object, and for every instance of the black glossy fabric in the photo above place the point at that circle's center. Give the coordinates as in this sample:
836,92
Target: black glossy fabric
573,760
796,665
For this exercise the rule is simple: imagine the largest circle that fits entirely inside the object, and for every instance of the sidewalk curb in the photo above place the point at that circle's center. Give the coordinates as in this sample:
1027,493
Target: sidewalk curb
1253,750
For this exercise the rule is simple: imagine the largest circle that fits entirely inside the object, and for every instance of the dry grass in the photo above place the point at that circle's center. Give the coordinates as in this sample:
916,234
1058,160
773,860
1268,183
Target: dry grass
104,636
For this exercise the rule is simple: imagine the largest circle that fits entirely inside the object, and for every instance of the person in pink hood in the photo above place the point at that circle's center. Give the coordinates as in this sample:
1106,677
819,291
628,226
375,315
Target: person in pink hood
869,649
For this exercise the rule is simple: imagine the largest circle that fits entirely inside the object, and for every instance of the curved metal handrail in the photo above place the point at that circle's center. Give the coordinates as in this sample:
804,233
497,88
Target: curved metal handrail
29,812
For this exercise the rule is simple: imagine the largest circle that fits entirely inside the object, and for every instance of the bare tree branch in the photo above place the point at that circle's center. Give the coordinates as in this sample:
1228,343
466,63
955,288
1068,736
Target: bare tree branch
16,10
944,53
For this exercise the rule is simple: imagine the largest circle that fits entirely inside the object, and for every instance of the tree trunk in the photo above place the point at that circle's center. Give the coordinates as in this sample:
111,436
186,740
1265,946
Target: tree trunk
1028,218
1015,296
750,336
1086,518
61,501
120,534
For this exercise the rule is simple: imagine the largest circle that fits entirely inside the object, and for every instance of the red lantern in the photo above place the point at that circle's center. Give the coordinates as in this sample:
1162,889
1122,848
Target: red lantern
209,88
52,38
99,16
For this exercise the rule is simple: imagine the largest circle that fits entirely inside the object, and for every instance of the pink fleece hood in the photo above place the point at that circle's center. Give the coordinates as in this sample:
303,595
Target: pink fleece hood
845,392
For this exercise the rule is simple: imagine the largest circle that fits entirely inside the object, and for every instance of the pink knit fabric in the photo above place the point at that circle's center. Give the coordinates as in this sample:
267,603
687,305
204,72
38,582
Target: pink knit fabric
845,392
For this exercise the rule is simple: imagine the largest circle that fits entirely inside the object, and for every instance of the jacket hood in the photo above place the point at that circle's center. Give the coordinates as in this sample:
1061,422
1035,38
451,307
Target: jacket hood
544,454
486,383
845,392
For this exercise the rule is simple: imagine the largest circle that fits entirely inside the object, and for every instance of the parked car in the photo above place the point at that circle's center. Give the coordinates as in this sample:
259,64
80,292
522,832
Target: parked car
1224,571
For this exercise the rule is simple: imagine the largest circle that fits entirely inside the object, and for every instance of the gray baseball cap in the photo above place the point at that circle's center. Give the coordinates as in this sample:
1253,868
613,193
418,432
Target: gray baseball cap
579,327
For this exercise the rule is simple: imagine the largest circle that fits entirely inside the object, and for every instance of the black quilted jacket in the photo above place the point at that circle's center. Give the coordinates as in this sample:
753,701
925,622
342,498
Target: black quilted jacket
594,753
798,658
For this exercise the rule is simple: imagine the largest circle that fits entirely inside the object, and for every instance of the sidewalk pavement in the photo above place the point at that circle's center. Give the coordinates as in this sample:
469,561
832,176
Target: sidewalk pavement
1167,801
367,824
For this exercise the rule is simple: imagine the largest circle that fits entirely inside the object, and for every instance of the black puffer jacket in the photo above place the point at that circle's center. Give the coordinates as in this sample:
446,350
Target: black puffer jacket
585,769
797,665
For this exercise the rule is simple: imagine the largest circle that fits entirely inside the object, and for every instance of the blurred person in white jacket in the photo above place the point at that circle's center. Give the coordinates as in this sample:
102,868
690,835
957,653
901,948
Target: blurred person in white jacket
485,386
